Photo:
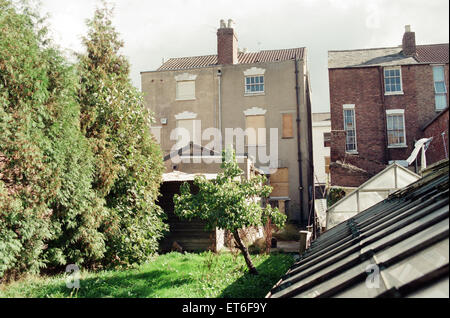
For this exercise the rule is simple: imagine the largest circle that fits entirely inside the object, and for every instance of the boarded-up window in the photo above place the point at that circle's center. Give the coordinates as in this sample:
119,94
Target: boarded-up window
256,132
327,164
189,125
185,90
288,126
279,181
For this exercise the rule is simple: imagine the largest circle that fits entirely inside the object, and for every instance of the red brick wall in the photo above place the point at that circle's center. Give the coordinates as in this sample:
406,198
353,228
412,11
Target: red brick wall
363,87
436,150
227,47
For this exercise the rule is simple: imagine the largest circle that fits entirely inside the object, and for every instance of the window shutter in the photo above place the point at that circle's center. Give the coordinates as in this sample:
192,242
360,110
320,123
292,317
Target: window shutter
288,129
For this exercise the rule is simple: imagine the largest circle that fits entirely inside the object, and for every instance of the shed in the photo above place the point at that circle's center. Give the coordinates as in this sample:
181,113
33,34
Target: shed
371,192
189,234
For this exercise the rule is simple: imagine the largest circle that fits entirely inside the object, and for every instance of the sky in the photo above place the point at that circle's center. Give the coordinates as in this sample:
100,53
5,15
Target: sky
154,31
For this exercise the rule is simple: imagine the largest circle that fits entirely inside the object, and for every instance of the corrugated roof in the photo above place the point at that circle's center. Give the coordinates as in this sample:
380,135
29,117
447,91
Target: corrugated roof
397,248
243,58
434,53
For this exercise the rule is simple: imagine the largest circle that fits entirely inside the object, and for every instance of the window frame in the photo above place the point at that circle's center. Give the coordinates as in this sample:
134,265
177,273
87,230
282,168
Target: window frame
352,108
436,93
396,112
258,92
400,92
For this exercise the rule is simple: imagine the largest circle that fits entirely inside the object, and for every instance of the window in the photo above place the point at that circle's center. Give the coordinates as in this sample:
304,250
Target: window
326,139
256,130
185,86
186,90
254,84
396,128
393,80
288,126
439,87
350,128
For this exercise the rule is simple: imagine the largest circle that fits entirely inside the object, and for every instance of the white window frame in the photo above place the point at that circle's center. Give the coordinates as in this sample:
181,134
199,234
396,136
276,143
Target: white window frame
396,112
254,72
350,107
435,90
401,80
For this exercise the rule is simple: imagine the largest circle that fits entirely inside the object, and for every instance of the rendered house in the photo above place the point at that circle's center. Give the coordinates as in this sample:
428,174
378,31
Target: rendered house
265,92
380,100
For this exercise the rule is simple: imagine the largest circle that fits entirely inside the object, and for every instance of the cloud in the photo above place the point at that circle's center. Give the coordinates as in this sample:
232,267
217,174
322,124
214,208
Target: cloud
153,30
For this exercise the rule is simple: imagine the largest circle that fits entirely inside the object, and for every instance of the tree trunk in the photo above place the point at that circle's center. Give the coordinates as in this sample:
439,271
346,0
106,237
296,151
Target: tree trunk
245,253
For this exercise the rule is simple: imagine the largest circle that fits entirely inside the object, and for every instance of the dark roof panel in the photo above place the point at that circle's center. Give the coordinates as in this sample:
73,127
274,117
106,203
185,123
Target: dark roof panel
405,238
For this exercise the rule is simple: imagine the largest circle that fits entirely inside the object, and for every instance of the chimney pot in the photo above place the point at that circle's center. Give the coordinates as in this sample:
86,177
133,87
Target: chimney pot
407,28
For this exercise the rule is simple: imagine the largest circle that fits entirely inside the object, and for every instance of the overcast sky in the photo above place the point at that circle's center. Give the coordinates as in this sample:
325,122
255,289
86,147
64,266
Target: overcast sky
153,30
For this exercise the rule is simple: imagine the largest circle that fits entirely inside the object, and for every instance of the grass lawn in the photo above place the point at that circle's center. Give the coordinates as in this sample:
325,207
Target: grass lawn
173,275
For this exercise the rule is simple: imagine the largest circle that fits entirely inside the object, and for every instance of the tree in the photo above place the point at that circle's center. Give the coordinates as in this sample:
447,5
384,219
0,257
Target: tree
229,202
48,211
128,160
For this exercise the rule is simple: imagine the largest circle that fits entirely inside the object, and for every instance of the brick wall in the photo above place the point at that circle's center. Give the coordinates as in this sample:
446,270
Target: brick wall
227,47
363,87
436,151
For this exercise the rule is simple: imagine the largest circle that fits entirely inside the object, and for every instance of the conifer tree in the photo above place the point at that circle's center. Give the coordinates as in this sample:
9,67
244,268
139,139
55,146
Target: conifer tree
128,161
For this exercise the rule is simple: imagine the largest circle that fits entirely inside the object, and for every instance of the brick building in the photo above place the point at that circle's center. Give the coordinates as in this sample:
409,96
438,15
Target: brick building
438,129
380,100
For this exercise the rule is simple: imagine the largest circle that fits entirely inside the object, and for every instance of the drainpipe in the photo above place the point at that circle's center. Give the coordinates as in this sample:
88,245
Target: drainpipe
299,159
386,149
219,76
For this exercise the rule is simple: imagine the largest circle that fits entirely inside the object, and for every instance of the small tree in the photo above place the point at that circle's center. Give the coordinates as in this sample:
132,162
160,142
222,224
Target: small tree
230,202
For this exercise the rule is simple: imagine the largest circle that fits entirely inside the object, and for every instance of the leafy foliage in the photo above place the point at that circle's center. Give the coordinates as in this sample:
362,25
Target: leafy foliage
48,212
229,202
79,171
128,160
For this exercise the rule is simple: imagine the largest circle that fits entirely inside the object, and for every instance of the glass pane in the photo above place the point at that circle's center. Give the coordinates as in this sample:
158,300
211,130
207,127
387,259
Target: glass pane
438,73
247,80
261,88
252,80
261,79
397,73
257,80
441,101
439,87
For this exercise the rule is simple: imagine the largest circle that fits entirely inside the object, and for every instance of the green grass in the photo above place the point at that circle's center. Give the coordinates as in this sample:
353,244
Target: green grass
173,275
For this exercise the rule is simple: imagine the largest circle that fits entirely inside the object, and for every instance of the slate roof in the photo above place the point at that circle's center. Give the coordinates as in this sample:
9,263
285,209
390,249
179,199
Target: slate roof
405,238
425,54
243,58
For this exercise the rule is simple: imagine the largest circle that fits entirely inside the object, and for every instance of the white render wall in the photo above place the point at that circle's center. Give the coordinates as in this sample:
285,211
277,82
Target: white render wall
319,151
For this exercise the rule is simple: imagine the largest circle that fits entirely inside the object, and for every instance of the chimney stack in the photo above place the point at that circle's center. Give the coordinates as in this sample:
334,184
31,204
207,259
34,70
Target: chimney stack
227,46
409,42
